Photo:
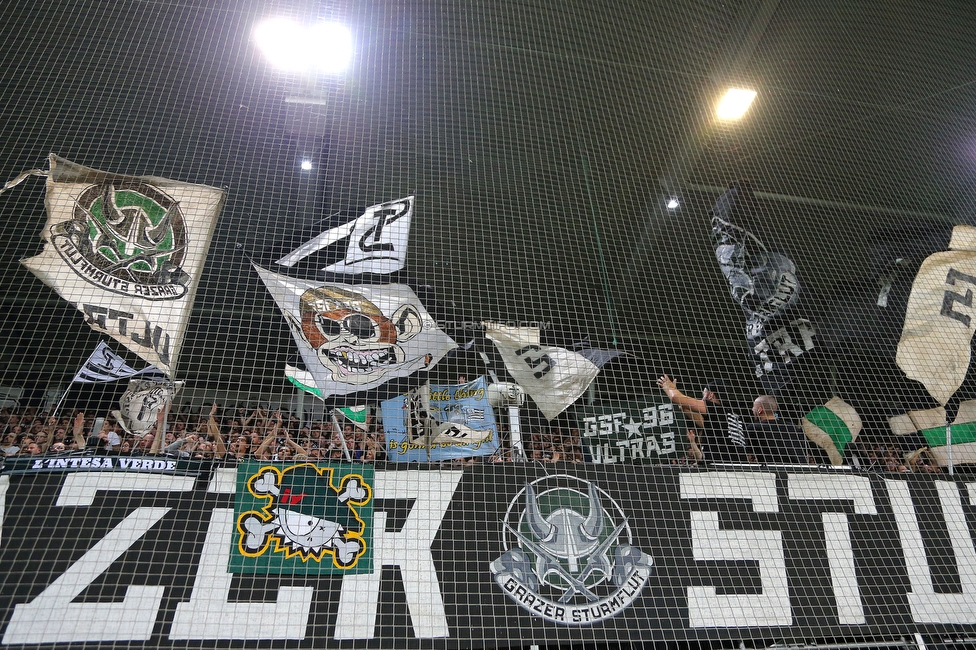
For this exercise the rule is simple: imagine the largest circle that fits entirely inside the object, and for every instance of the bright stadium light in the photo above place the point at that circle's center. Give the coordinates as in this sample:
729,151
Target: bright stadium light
307,165
673,203
290,46
735,103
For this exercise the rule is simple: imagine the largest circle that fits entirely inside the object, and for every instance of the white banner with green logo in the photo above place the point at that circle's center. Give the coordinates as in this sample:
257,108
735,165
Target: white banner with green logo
127,252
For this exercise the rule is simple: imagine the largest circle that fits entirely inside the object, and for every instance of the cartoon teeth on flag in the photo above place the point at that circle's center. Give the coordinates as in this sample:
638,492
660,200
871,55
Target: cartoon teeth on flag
142,401
935,342
377,240
553,377
105,365
357,337
127,252
303,519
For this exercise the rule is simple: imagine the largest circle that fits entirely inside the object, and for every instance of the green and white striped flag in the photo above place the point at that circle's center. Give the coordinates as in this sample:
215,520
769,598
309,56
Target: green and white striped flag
931,424
302,379
832,427
356,415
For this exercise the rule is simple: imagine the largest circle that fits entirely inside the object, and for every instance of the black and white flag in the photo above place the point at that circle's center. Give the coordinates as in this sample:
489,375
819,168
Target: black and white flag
143,400
105,365
127,252
377,240
553,377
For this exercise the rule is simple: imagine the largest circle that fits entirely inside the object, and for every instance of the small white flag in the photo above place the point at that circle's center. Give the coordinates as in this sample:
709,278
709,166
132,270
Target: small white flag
105,365
377,240
553,377
141,403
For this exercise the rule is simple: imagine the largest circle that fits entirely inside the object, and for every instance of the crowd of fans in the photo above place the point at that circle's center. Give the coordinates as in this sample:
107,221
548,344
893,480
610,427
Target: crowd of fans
239,434
261,434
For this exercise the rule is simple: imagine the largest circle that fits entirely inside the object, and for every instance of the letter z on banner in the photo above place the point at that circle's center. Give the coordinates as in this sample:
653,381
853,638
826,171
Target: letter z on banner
127,252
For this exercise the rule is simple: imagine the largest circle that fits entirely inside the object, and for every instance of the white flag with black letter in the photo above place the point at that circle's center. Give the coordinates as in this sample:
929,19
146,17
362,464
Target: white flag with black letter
127,252
934,346
356,337
377,240
105,365
553,377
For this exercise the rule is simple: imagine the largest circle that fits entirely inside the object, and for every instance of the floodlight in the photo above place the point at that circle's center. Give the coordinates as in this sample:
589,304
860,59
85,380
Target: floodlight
673,203
306,165
735,103
290,46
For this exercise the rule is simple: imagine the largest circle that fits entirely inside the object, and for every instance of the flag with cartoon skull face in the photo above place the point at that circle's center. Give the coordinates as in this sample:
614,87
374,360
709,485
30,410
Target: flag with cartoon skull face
356,337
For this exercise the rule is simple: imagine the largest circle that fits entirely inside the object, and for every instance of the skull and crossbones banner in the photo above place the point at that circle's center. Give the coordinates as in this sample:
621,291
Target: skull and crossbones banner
127,252
357,337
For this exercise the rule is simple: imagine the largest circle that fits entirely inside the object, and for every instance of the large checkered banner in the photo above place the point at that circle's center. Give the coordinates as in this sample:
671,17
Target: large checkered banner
163,552
127,252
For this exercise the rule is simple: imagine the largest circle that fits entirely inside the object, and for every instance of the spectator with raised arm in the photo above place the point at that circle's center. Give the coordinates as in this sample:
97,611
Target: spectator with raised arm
263,452
721,433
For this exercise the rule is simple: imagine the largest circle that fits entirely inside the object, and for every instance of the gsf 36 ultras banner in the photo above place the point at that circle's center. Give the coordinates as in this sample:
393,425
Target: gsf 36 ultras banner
494,555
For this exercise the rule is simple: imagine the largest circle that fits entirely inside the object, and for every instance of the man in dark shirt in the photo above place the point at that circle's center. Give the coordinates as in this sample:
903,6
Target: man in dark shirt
774,441
722,432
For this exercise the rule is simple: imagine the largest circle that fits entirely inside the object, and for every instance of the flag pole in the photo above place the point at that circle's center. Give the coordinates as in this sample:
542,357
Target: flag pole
342,438
57,407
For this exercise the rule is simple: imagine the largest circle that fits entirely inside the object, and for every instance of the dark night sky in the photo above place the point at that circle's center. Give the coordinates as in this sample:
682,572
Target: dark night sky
536,137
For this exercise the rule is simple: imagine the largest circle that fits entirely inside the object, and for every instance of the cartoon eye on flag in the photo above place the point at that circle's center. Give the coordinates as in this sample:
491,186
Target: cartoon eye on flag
127,252
356,337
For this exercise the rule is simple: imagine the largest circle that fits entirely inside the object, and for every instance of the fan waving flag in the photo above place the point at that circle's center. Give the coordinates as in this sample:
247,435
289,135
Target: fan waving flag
553,377
127,252
105,365
356,337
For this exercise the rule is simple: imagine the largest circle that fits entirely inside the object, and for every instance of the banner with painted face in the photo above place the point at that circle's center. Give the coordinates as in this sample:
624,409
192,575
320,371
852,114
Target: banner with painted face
356,337
440,422
128,252
626,432
143,400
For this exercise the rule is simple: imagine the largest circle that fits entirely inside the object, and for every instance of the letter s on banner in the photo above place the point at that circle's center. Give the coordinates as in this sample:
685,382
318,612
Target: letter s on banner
705,607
